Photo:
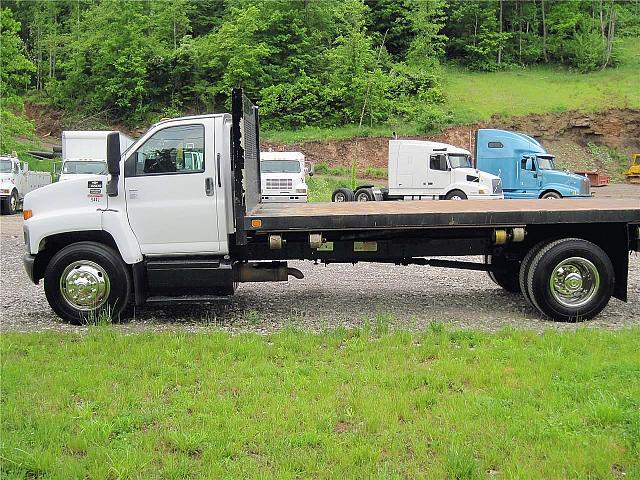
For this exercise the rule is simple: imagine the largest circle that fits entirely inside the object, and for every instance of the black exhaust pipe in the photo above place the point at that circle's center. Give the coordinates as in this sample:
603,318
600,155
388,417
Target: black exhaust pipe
265,272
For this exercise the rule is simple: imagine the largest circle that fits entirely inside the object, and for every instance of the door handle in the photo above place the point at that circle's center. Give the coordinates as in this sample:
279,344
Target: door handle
208,186
218,170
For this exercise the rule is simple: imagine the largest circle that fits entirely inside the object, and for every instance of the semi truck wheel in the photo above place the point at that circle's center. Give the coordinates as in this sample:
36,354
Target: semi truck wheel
551,196
456,195
505,274
87,281
570,280
364,195
342,195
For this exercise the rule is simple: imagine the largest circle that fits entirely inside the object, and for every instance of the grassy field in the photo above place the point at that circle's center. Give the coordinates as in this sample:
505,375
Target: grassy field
362,403
476,96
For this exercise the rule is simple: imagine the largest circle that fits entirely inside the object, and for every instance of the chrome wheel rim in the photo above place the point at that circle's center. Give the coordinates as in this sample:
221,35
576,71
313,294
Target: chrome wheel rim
574,282
85,285
340,197
363,197
14,203
455,197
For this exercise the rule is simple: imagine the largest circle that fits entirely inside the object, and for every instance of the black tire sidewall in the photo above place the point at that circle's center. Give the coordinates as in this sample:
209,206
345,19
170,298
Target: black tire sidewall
506,275
108,259
539,285
366,191
460,193
348,194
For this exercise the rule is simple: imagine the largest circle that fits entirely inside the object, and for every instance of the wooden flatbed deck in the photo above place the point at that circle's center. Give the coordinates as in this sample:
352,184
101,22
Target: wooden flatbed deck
282,217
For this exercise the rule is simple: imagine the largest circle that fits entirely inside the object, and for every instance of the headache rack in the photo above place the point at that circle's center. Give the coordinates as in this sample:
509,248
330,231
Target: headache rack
245,160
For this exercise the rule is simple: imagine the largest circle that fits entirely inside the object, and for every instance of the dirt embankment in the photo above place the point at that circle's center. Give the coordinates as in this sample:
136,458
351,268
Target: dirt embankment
565,134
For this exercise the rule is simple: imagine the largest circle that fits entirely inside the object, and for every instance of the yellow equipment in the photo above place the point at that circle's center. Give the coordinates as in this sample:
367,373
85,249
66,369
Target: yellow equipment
633,174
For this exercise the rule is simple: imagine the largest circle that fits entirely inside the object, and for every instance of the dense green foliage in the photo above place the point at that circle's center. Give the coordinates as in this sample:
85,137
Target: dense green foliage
324,63
15,70
343,404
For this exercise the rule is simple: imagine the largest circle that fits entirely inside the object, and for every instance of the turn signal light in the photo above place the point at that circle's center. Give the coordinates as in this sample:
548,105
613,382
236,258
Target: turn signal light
27,214
256,223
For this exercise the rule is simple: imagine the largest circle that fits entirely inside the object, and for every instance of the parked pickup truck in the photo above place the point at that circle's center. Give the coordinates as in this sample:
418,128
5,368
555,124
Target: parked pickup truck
283,177
420,170
527,170
16,181
84,153
159,230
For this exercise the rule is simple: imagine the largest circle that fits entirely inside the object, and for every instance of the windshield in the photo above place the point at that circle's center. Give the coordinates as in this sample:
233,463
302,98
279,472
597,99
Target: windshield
84,167
546,163
280,166
459,160
5,166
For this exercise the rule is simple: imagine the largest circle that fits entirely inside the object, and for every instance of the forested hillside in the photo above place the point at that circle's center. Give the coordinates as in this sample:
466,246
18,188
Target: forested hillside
323,63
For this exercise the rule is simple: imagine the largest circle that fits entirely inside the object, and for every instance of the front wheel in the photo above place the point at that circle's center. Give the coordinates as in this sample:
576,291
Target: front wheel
87,282
10,204
570,279
551,196
456,195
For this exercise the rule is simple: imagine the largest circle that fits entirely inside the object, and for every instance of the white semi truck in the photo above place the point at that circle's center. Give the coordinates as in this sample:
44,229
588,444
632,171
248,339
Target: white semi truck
163,230
16,180
84,152
283,177
422,170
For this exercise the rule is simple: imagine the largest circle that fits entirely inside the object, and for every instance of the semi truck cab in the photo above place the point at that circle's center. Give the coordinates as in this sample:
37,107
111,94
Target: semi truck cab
526,169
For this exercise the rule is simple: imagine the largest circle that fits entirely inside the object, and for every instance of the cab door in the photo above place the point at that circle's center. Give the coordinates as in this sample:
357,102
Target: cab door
529,181
170,190
439,174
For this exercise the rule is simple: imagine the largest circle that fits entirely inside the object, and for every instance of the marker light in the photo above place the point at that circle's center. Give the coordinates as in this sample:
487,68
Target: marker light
27,214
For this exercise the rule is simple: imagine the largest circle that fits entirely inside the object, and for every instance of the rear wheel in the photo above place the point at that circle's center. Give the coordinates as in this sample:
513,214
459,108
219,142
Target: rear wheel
570,279
364,195
524,270
342,195
87,282
505,272
456,195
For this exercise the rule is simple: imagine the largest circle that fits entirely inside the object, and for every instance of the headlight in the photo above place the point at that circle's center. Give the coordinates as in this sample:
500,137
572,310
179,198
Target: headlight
301,190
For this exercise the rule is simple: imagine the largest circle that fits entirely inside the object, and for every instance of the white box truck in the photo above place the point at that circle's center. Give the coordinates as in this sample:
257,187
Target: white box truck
283,177
16,180
84,153
422,170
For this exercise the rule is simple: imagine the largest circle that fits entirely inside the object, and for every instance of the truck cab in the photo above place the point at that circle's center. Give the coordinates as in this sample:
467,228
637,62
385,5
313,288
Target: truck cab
283,177
420,170
526,169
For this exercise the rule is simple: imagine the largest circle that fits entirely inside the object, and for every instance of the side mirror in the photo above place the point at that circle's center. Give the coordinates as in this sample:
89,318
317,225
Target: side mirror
113,163
529,164
308,169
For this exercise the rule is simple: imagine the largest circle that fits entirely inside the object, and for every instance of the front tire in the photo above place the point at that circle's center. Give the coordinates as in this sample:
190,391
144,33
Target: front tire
87,282
551,196
456,195
570,280
10,204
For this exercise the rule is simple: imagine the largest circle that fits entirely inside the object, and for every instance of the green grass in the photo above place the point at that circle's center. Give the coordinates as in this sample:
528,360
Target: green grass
344,404
322,186
475,96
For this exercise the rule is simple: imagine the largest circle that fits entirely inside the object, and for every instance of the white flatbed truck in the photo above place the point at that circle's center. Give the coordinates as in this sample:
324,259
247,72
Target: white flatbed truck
16,180
159,232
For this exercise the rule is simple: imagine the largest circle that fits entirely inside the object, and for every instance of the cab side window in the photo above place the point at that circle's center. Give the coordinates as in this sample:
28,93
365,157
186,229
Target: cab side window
438,162
172,150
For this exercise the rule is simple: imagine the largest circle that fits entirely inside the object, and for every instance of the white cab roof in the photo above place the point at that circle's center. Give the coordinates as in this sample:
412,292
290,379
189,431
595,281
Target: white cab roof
281,156
445,147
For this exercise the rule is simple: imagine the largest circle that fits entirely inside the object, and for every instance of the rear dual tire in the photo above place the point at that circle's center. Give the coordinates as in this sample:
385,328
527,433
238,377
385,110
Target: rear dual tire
342,195
504,273
568,279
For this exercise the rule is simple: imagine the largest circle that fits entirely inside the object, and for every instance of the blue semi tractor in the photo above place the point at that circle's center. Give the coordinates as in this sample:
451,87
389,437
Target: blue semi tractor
527,170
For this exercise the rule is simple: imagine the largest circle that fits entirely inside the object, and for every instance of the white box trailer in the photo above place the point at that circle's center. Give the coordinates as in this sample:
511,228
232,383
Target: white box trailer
84,152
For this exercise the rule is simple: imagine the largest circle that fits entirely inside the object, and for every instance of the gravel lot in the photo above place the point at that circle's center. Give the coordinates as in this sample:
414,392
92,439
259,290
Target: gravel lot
328,297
